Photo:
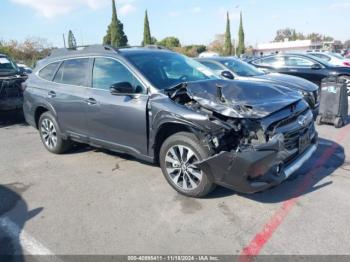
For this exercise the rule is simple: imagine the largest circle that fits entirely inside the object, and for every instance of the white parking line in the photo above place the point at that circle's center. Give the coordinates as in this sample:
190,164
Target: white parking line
26,242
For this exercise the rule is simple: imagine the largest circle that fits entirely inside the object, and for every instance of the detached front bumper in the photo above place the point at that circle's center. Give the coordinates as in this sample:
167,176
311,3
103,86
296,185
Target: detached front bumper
257,168
11,103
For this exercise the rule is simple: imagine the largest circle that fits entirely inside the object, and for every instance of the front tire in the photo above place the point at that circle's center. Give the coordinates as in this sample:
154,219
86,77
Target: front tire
51,136
177,158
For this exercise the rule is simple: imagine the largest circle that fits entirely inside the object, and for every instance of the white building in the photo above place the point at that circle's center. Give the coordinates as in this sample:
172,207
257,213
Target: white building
286,46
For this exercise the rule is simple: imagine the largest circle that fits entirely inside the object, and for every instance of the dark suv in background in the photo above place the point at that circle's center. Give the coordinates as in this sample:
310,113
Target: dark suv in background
163,107
234,68
11,78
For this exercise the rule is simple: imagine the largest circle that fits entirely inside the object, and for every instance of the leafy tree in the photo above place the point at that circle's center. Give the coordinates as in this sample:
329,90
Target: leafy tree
316,37
228,43
170,42
286,33
292,35
191,50
72,43
241,46
147,38
154,40
115,33
217,45
28,52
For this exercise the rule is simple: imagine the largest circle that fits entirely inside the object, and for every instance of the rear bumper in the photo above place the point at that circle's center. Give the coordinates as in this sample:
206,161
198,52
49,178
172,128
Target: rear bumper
257,169
11,103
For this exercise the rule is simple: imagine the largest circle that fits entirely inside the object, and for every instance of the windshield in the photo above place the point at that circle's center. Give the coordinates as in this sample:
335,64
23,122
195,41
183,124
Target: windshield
336,55
241,68
165,69
7,66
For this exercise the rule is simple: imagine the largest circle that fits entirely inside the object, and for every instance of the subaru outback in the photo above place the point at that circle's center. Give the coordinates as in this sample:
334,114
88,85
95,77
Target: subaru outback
165,108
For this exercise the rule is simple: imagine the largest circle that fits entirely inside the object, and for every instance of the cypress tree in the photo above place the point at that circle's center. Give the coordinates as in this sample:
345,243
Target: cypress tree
147,38
115,33
240,47
228,42
72,43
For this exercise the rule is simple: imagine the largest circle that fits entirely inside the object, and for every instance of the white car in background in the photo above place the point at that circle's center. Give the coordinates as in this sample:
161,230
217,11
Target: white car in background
333,58
208,54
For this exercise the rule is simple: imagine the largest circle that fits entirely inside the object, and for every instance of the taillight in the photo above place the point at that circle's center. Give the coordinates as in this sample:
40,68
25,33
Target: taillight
346,63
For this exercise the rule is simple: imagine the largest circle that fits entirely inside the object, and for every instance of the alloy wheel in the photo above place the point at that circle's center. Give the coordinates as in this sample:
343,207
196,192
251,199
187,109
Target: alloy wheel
49,133
180,165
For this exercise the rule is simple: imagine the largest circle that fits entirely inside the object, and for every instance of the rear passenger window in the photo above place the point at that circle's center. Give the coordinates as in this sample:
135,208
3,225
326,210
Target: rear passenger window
73,72
49,71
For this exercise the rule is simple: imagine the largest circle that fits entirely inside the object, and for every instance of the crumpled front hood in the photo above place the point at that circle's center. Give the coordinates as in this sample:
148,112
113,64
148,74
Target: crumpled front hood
289,81
241,99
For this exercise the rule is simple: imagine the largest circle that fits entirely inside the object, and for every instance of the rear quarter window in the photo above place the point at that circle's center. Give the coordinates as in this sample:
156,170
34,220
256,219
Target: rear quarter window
49,71
73,72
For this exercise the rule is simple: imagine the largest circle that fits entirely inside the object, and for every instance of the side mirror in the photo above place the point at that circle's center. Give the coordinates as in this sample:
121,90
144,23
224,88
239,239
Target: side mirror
316,66
21,71
121,88
228,75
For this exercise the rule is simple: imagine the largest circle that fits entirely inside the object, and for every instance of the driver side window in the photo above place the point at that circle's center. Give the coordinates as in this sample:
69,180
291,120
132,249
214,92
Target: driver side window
107,72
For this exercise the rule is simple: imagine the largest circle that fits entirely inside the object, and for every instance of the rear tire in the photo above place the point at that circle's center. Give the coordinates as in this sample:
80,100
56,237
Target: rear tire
177,155
51,135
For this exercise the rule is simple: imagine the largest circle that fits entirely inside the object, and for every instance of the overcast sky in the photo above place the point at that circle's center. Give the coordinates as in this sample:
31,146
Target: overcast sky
192,21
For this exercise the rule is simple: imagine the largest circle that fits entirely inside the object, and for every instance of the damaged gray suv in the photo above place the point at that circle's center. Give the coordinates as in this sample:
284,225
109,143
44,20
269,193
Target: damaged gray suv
162,107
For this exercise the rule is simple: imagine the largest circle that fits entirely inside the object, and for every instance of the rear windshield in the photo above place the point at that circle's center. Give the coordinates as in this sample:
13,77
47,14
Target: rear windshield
7,66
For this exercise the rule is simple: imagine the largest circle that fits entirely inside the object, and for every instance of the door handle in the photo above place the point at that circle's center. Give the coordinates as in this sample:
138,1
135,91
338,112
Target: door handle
51,94
293,70
91,101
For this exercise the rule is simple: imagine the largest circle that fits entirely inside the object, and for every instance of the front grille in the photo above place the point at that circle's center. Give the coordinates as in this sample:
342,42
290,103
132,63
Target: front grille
292,130
291,138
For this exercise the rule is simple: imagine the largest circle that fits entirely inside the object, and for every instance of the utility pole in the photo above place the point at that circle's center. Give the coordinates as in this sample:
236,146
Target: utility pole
64,41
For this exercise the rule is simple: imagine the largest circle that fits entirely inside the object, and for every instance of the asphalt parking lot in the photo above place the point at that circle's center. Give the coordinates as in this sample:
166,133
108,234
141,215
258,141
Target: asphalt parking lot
98,202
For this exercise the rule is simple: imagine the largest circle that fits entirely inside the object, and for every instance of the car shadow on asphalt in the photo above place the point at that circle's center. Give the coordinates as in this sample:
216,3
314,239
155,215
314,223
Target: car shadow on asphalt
11,118
14,214
307,179
300,183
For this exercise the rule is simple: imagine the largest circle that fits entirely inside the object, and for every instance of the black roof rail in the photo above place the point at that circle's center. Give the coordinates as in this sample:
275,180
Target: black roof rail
82,50
146,46
157,47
